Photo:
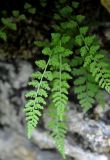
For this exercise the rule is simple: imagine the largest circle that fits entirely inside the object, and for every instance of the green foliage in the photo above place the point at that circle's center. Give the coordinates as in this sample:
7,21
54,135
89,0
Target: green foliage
29,8
15,13
58,75
73,55
37,98
85,86
10,23
3,35
58,128
43,3
94,59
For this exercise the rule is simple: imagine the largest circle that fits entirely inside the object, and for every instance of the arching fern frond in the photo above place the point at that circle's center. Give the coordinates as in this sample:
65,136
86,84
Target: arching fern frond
37,98
60,92
94,59
85,86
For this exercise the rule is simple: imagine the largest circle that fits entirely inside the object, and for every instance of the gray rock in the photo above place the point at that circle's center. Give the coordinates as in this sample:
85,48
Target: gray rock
9,116
95,134
107,33
13,79
15,147
74,151
22,77
46,155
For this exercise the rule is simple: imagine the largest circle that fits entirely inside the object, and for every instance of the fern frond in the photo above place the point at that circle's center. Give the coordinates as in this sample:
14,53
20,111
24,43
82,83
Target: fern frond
60,85
37,98
100,98
85,86
58,134
66,11
58,128
94,58
59,95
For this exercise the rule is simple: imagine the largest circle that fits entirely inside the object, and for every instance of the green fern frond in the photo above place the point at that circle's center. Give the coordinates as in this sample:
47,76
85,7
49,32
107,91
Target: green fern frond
59,95
75,4
85,86
80,18
60,78
66,11
94,59
60,87
59,129
37,98
100,98
58,134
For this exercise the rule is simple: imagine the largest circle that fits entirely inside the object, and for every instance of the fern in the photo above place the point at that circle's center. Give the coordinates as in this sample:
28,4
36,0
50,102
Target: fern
58,128
85,86
59,88
72,54
59,131
37,98
94,59
60,78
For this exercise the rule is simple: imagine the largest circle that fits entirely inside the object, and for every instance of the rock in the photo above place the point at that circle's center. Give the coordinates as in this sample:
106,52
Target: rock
8,116
95,134
46,155
74,151
107,33
14,78
16,74
25,71
15,147
43,140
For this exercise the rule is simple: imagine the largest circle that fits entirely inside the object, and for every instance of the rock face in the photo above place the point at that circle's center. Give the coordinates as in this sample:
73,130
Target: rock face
87,139
13,82
15,146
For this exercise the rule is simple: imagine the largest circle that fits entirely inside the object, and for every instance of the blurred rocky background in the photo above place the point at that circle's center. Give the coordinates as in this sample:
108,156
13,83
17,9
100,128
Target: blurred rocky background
88,137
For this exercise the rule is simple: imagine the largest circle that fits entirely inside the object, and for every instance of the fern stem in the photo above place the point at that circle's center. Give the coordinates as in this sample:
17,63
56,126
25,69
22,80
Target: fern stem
60,75
60,71
43,76
83,38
